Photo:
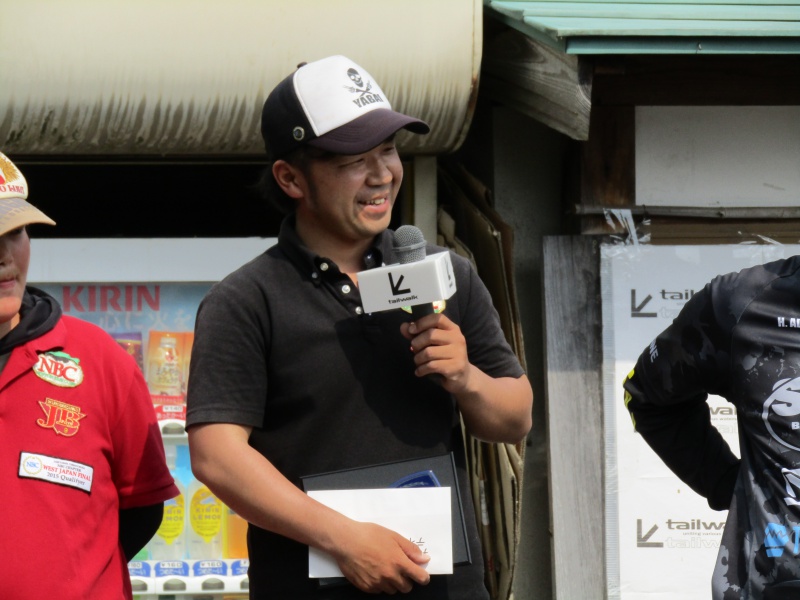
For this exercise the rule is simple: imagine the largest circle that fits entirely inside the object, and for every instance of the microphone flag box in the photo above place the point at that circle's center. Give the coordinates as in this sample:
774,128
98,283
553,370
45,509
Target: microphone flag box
409,284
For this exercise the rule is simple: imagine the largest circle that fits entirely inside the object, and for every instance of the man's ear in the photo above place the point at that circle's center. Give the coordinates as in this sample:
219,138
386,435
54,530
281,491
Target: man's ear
289,178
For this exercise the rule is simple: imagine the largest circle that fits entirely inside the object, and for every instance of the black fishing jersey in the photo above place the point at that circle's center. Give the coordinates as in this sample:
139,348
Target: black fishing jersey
738,338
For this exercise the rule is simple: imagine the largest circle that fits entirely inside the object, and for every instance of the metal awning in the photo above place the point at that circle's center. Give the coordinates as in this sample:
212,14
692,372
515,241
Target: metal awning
656,27
182,79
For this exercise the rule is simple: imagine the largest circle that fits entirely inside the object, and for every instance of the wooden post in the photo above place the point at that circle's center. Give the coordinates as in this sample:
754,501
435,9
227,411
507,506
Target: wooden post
573,367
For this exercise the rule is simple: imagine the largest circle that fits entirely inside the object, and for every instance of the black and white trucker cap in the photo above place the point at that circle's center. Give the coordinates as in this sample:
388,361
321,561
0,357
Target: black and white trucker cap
332,104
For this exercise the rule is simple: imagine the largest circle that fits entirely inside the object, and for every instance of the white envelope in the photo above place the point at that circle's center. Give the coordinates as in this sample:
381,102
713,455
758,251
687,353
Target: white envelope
420,514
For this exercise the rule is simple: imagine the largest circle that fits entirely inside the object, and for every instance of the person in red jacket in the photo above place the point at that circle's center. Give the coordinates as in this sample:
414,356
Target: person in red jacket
83,475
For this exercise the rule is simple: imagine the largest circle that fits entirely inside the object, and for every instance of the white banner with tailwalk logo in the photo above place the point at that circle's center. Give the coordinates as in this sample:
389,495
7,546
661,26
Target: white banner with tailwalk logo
661,537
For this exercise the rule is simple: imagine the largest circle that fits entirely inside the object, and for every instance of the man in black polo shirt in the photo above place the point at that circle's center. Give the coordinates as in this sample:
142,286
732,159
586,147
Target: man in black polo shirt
290,377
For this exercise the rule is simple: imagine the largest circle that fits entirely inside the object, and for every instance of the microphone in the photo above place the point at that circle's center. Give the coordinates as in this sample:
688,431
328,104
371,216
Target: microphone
409,245
417,280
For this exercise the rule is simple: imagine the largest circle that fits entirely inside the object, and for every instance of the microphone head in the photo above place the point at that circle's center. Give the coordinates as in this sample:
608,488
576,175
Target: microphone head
409,244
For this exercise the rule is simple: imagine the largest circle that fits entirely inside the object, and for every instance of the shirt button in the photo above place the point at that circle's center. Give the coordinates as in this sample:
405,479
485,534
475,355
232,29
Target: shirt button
323,266
314,275
345,289
359,310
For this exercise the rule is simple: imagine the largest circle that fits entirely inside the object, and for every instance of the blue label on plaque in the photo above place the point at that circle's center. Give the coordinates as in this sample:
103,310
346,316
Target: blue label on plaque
418,479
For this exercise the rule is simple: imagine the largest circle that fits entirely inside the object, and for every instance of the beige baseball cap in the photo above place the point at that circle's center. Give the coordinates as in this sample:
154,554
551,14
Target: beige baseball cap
15,211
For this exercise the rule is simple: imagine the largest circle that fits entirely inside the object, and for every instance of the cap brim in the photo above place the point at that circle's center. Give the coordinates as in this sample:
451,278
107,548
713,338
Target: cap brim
16,212
366,132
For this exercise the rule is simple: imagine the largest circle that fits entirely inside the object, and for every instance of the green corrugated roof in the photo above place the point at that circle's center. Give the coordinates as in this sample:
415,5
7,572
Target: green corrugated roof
657,27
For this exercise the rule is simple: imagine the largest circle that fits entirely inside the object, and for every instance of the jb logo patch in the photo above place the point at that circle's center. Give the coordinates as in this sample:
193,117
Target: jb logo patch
61,417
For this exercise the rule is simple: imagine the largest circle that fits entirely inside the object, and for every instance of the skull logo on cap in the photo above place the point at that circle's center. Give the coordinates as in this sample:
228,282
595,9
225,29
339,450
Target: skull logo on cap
355,77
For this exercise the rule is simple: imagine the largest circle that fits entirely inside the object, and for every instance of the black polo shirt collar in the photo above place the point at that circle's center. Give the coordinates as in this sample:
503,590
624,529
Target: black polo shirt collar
317,267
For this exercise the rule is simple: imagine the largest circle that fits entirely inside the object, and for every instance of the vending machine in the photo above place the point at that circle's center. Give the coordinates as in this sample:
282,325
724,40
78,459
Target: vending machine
145,294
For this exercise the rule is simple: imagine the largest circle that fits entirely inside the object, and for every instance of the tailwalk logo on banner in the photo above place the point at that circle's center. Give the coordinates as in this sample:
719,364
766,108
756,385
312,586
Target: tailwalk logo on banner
665,304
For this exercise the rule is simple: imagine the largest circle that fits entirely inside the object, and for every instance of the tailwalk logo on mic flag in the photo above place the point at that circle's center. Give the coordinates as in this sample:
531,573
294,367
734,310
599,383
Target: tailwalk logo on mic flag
420,282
